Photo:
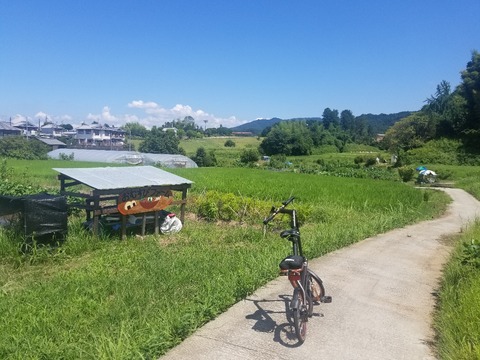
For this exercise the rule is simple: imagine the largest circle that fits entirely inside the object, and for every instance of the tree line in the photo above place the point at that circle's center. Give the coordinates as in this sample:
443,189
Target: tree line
447,114
333,130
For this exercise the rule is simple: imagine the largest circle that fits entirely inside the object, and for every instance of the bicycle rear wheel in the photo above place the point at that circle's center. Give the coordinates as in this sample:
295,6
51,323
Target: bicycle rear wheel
300,315
315,289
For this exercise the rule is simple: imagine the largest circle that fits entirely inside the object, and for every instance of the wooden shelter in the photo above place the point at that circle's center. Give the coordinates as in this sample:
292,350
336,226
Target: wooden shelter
124,192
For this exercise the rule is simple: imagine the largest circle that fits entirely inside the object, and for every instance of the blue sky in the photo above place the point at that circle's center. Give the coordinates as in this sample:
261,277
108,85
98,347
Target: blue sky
227,61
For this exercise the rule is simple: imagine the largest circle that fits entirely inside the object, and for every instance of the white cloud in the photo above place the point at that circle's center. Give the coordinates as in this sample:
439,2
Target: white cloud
158,115
140,104
42,116
106,117
146,113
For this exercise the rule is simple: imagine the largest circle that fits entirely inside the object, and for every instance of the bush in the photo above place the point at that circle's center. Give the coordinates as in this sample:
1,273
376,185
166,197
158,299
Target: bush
471,253
229,143
20,148
406,173
249,156
370,161
358,159
214,205
66,157
278,161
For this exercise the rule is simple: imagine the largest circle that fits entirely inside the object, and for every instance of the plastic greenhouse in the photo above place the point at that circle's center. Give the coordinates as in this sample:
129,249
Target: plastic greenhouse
124,157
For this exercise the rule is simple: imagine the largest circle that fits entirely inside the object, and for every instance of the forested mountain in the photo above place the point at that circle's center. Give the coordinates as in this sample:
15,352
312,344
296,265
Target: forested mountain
256,126
378,123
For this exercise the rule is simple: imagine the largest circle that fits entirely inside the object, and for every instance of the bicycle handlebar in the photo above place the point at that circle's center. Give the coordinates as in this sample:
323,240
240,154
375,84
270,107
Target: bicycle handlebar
274,211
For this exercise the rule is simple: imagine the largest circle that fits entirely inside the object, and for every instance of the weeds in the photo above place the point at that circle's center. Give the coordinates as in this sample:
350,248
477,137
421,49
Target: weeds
471,253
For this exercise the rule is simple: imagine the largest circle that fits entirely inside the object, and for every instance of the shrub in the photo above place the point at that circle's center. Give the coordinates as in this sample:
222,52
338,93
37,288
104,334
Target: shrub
229,143
370,161
215,205
64,156
278,161
249,156
20,148
358,159
406,173
471,254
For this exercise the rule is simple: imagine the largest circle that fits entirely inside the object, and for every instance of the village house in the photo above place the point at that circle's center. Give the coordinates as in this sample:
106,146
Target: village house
8,130
98,136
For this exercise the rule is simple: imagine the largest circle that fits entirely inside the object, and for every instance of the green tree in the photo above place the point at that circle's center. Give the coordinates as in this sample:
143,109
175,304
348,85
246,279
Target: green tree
469,89
347,121
409,133
158,141
438,103
330,118
289,138
135,129
67,127
204,159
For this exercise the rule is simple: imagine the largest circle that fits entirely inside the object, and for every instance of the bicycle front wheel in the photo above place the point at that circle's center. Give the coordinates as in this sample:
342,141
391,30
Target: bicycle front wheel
300,316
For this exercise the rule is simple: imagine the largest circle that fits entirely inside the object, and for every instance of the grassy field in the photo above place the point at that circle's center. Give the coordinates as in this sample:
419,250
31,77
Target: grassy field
226,156
113,299
101,298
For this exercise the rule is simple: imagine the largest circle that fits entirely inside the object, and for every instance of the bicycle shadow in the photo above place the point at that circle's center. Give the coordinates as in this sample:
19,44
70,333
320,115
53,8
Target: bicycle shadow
284,333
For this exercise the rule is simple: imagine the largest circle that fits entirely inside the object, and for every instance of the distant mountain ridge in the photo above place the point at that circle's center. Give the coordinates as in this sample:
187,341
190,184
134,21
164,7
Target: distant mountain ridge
379,123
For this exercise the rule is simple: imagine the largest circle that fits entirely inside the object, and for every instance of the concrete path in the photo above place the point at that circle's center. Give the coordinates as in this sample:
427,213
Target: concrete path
383,295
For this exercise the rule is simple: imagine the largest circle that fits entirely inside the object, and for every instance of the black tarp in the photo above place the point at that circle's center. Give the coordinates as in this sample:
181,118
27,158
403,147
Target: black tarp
41,217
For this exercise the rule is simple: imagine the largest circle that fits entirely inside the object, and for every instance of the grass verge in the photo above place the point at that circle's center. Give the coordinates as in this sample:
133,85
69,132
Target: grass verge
457,318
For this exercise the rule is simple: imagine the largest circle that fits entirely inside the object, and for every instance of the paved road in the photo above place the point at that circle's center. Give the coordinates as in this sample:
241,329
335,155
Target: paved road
383,294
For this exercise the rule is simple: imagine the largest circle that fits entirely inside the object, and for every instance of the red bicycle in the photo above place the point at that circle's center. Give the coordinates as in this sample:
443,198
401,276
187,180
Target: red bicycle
307,286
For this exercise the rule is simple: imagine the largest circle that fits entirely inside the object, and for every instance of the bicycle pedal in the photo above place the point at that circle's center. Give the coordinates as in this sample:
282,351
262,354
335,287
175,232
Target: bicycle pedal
326,299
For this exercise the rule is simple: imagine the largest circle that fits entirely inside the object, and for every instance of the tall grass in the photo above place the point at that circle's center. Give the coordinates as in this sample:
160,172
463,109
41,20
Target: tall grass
458,316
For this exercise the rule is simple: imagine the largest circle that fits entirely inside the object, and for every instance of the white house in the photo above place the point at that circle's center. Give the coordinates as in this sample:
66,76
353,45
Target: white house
51,130
96,135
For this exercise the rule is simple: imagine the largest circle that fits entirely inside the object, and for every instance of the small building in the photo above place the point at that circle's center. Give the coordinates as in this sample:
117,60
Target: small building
242,133
8,130
123,192
26,127
54,144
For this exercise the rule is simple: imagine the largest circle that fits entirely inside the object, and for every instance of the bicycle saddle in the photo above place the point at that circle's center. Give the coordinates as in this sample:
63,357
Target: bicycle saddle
289,232
291,262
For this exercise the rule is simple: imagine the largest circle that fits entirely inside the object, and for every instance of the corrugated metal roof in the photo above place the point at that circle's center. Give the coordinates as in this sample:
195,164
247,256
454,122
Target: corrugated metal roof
51,142
7,126
107,178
